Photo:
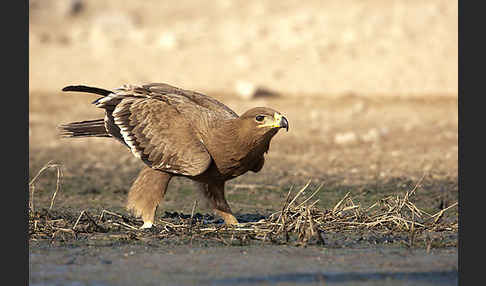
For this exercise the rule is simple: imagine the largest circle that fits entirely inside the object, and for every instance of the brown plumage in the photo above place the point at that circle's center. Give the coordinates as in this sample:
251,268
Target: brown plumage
178,132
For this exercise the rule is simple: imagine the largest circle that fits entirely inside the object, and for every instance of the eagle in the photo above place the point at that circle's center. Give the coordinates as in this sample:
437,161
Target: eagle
179,133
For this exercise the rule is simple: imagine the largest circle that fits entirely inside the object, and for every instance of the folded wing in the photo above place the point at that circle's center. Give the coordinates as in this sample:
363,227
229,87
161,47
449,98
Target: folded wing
163,125
159,135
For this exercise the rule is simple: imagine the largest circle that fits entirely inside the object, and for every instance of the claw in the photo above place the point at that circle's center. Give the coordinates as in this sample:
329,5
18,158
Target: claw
146,224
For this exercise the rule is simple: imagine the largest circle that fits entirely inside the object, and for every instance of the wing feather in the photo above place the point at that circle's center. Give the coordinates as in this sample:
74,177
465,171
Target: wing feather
159,135
187,99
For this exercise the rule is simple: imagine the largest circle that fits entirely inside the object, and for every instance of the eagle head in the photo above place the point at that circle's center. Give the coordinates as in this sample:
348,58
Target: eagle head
264,120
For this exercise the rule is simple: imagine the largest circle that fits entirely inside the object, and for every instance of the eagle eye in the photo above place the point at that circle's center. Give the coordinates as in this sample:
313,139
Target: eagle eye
259,118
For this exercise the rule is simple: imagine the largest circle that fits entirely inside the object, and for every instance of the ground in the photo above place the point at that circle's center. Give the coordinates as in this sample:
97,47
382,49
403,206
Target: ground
271,265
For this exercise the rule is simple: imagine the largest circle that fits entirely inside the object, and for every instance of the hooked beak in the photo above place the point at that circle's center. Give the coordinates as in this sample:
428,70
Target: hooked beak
284,123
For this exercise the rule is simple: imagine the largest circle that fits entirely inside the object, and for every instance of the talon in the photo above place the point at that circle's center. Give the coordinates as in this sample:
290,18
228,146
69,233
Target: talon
146,224
238,224
230,220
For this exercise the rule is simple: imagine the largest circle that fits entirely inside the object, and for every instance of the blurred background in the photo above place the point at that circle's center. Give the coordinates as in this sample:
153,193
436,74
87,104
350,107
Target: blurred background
386,47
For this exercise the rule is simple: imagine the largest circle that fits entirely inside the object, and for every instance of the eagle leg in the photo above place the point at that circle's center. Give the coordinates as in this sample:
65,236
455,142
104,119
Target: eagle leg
228,217
214,192
146,194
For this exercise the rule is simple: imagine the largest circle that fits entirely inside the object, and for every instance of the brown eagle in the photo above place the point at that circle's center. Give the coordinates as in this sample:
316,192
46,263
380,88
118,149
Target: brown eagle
178,132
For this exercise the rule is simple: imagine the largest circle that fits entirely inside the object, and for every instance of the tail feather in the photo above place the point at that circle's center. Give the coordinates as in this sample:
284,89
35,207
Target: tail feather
89,128
88,89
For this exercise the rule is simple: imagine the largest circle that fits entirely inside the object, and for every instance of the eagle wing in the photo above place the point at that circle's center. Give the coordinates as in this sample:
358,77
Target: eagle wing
163,125
187,100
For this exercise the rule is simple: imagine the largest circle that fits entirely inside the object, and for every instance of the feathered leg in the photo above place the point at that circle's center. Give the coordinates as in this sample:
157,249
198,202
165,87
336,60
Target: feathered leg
214,193
146,194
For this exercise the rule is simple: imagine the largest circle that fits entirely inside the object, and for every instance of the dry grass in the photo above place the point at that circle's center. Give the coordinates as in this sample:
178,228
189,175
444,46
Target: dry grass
32,182
299,222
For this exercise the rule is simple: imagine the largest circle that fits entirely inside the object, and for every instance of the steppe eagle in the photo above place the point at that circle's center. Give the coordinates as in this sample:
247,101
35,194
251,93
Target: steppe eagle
178,132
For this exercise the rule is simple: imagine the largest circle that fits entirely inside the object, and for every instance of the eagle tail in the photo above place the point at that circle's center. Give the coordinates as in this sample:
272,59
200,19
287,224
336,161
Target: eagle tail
89,128
88,89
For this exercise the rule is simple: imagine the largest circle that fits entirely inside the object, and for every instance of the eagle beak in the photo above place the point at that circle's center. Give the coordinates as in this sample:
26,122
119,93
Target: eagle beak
284,123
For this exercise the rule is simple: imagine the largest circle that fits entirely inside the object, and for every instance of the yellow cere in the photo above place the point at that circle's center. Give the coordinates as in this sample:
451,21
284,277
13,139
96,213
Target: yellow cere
276,121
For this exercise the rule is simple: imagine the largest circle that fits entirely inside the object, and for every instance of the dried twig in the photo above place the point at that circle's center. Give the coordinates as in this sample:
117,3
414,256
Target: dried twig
299,223
49,164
